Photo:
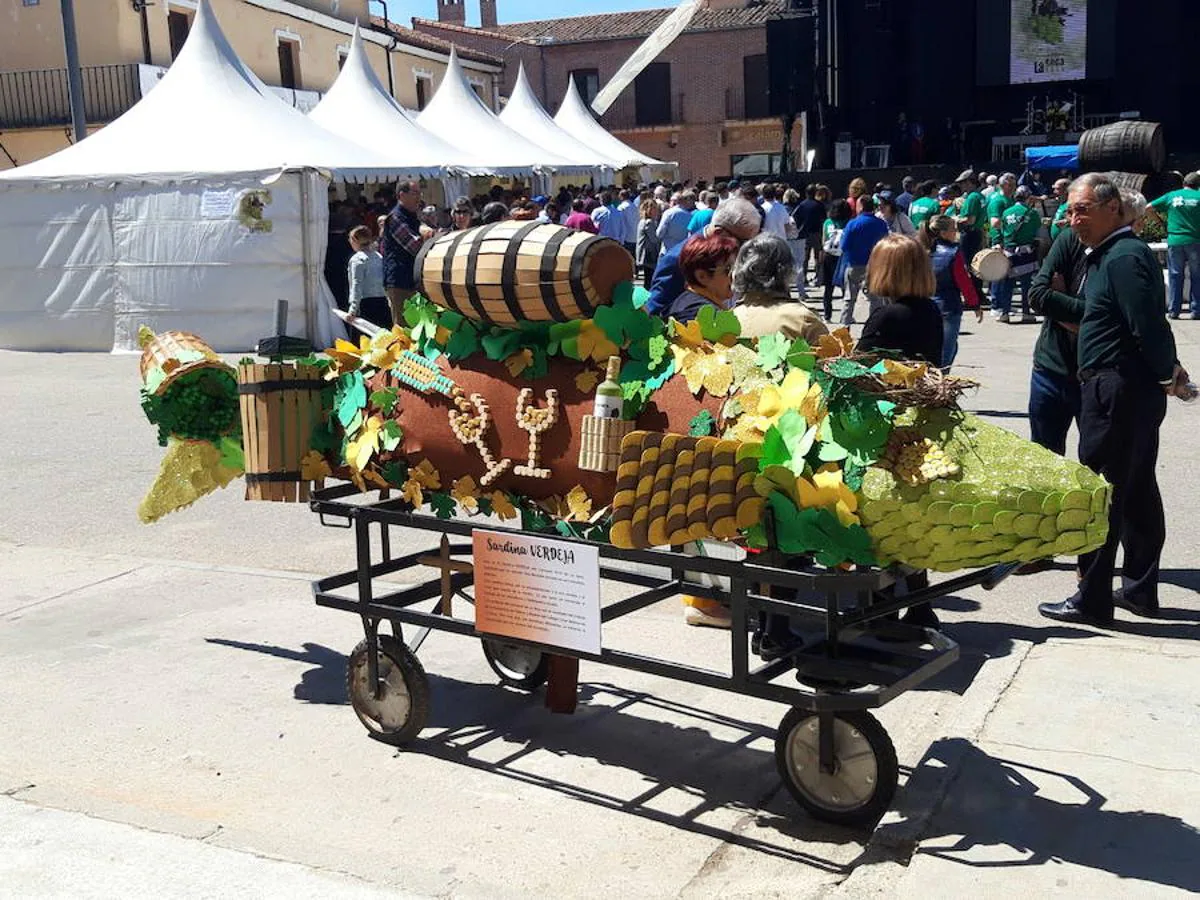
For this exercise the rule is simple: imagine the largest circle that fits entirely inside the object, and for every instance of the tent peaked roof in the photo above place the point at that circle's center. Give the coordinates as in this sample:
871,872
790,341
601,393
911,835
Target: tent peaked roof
573,117
525,115
209,115
358,104
457,113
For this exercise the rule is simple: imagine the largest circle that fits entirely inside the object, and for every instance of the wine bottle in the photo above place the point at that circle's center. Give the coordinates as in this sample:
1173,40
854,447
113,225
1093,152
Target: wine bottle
609,398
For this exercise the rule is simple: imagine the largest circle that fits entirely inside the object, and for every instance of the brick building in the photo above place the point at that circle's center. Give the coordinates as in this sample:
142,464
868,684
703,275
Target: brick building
702,102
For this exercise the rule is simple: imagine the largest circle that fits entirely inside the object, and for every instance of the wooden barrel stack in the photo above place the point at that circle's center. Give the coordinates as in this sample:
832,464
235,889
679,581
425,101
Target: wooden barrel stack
280,406
510,272
1133,154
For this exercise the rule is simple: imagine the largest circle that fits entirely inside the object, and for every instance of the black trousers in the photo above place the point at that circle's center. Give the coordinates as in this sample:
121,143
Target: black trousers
1119,420
829,264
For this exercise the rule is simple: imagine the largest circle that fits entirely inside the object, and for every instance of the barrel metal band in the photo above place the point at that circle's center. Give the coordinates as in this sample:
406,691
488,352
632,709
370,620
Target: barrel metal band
472,265
261,477
419,266
508,271
266,387
576,277
447,272
546,272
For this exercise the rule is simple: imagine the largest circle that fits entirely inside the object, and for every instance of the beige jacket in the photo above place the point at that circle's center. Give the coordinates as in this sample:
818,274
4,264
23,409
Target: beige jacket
763,314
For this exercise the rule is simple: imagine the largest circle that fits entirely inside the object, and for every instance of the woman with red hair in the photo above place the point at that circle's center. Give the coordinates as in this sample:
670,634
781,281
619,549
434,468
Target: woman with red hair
706,264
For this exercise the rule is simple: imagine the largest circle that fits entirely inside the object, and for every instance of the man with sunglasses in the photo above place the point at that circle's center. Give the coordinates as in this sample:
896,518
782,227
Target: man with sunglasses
1127,367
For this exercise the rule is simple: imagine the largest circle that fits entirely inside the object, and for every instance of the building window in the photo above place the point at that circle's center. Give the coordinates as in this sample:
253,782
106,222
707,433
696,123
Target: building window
342,57
424,90
178,25
477,87
743,164
289,64
755,87
30,2
588,83
652,95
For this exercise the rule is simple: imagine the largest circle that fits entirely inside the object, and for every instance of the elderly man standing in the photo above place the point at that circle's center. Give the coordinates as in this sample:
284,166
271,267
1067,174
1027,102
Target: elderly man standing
403,235
673,226
1127,367
735,217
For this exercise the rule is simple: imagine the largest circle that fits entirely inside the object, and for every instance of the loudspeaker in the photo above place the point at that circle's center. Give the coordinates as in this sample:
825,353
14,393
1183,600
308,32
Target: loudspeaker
791,43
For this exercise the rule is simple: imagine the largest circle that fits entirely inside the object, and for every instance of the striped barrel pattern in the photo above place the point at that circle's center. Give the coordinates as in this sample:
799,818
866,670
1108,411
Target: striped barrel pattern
510,272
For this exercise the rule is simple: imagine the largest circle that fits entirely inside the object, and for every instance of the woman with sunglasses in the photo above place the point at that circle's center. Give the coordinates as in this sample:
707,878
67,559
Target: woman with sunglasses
706,264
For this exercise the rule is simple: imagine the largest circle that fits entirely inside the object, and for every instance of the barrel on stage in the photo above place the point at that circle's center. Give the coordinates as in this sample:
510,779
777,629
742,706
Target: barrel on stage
510,272
1149,186
1123,147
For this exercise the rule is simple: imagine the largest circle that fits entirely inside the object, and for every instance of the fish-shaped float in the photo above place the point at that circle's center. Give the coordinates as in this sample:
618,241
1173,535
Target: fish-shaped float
481,401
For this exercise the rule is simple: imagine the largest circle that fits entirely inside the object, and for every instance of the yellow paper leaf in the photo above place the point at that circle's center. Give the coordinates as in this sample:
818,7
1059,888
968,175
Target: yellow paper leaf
718,379
466,493
586,381
411,491
313,467
579,504
519,362
812,407
594,344
425,475
375,478
840,343
775,400
360,450
502,506
346,356
899,374
688,335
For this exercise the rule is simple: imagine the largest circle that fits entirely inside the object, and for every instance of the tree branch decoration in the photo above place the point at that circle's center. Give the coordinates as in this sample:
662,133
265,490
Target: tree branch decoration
535,420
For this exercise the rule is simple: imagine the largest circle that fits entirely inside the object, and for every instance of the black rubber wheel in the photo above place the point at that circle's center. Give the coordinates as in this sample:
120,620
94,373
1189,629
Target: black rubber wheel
517,665
402,709
861,787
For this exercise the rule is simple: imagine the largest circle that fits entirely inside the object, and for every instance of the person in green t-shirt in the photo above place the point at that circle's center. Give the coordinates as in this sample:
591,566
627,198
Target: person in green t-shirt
1019,228
1182,212
972,221
1000,200
1059,222
926,204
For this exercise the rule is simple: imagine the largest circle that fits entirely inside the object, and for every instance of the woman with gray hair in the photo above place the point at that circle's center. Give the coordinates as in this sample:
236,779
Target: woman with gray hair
762,285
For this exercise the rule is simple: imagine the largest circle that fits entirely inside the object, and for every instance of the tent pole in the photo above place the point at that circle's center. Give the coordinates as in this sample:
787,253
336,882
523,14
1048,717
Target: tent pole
74,76
310,305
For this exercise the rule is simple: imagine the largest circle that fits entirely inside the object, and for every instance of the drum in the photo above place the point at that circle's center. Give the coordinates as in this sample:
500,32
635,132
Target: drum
991,264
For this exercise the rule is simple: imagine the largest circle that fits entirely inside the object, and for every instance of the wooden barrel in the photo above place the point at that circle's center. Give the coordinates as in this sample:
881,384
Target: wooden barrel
510,272
1124,147
171,354
1149,186
280,406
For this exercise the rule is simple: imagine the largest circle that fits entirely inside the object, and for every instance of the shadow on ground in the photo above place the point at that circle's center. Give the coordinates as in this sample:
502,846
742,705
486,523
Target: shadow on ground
998,814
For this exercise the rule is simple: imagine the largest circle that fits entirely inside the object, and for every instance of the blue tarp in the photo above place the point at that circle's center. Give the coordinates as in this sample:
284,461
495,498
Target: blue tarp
1042,159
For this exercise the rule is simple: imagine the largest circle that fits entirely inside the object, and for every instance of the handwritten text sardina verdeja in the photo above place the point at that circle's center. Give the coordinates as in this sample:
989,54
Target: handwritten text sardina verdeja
564,555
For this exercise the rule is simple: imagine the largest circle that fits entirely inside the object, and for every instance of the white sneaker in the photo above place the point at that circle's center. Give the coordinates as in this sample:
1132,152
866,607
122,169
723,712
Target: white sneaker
693,615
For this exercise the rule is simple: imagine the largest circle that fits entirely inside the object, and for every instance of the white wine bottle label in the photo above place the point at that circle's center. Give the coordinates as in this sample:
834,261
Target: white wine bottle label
608,407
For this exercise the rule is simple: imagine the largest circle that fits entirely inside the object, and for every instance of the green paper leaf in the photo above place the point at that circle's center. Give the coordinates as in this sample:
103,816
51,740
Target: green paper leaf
559,333
622,294
774,450
716,324
464,341
702,424
391,435
395,473
852,475
800,355
756,536
772,349
442,504
385,400
232,455
322,439
845,368
623,324
818,531
353,427
640,296
421,317
831,452
798,437
501,343
450,320
350,397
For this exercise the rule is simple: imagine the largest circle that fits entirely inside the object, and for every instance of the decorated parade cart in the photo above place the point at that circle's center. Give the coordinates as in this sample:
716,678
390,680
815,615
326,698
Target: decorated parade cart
565,458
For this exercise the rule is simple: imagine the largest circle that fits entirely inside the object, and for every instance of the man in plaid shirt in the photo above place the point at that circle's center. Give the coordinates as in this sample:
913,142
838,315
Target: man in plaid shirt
403,236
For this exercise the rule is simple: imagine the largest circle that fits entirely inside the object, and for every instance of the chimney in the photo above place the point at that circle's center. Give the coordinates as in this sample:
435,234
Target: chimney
452,11
487,14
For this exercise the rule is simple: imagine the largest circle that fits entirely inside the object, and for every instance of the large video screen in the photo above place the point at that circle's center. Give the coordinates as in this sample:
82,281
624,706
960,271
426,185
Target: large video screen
1048,41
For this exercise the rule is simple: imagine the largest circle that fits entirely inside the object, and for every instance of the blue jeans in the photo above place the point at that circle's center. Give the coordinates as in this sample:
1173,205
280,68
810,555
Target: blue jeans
1002,298
1177,258
951,324
1053,405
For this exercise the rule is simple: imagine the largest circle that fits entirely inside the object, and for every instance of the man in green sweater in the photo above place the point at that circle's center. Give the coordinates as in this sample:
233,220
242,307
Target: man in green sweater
1127,366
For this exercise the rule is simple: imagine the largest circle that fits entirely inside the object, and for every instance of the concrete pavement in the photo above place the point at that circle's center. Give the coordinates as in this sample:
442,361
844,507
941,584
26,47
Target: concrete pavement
178,678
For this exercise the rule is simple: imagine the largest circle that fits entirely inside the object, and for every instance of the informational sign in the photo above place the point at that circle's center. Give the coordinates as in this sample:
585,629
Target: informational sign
1049,41
537,589
218,204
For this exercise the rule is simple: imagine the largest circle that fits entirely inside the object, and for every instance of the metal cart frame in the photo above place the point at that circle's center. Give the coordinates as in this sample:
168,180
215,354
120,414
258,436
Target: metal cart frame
850,656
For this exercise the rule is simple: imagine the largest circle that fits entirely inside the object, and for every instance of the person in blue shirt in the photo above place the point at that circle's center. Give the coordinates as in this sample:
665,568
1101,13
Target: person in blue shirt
673,227
609,222
703,215
735,217
859,238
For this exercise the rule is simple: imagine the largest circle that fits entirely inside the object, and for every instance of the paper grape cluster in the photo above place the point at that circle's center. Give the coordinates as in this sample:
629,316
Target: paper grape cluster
201,405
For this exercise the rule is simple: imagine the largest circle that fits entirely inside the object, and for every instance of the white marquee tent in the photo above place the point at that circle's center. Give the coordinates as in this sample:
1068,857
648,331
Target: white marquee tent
573,118
456,114
525,115
196,210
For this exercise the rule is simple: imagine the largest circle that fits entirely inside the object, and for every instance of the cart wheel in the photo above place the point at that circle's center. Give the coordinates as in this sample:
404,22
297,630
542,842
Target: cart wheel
863,783
402,709
516,665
